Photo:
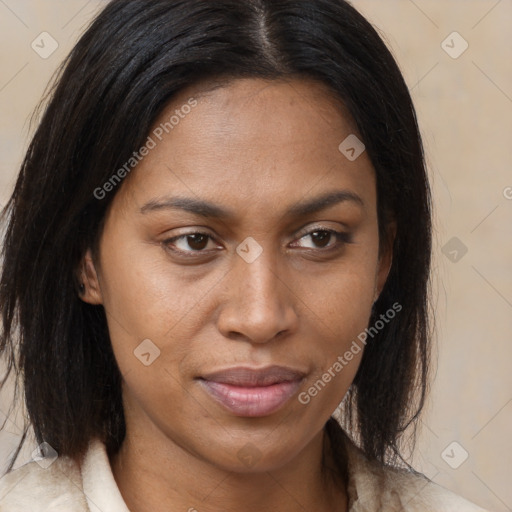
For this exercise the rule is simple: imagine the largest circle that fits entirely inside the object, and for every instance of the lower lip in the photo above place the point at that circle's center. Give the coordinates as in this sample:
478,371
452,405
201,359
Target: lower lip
251,401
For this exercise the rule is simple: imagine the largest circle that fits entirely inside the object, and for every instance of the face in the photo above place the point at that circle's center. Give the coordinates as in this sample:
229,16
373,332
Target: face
239,260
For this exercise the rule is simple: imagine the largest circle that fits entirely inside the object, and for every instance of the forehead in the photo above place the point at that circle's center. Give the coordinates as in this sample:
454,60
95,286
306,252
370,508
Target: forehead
252,140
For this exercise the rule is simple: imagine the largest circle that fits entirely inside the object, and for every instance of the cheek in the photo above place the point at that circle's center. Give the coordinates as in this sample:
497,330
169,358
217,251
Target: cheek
342,298
335,359
147,297
338,326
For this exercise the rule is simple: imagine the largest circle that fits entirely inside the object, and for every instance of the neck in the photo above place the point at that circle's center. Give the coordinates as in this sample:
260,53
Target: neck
154,473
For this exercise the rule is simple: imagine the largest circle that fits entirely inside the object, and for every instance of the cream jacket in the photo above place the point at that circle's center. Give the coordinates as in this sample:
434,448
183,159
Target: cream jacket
64,486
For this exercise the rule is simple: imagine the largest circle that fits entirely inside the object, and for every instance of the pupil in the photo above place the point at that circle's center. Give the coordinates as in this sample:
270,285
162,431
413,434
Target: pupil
321,236
196,239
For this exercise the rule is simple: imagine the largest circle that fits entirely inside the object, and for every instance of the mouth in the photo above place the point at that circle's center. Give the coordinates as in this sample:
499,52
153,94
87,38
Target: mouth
252,392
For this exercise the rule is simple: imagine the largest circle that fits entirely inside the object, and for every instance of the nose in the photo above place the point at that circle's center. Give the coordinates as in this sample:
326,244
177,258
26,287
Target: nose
258,301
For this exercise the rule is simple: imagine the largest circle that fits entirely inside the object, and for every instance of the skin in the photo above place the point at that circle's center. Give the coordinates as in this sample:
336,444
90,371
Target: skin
255,147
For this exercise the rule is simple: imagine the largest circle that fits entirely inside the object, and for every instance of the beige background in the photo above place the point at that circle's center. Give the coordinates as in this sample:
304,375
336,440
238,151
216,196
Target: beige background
464,107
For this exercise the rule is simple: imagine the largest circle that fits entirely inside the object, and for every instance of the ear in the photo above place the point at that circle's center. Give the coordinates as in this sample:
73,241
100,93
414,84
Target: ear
385,259
90,290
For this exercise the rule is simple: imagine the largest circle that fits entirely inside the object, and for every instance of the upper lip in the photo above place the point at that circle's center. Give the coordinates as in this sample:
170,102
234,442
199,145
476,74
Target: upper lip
251,377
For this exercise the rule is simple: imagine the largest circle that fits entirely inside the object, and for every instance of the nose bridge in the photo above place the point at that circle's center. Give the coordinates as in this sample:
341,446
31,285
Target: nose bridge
259,305
258,279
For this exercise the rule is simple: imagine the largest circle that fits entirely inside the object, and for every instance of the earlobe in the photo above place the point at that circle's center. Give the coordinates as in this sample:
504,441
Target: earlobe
89,288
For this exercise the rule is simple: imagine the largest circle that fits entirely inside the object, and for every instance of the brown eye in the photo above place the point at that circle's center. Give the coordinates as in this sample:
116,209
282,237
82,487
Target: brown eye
322,238
189,243
197,242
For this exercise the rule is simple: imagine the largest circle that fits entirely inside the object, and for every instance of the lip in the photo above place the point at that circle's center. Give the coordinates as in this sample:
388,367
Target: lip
253,392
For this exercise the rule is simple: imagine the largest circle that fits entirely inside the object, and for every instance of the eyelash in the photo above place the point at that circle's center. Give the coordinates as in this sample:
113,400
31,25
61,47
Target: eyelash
341,238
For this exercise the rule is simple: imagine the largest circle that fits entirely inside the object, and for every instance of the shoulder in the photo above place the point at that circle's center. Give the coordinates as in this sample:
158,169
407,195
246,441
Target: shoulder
376,487
417,493
37,488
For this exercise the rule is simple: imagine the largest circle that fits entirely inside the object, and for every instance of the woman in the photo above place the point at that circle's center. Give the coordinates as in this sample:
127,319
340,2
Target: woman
220,233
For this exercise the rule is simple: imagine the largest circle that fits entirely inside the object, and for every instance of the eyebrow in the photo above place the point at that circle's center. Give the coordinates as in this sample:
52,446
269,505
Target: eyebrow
210,210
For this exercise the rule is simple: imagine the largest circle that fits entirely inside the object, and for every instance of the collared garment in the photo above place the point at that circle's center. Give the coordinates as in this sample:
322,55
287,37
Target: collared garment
65,486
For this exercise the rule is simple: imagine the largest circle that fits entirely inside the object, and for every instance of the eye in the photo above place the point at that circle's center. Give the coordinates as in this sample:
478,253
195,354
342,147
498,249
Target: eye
189,243
327,238
197,242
